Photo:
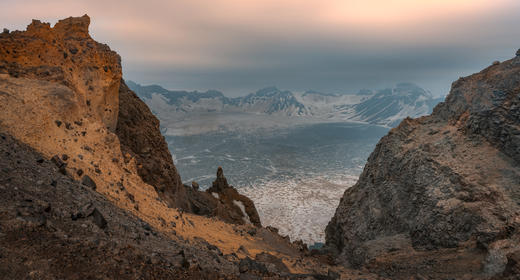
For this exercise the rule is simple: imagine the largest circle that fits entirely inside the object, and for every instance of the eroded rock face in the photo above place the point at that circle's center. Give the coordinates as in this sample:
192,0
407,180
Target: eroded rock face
66,231
140,136
449,180
61,91
67,55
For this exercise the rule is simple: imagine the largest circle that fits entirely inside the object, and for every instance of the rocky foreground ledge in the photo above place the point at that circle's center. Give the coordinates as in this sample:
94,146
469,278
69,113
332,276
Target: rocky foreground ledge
441,194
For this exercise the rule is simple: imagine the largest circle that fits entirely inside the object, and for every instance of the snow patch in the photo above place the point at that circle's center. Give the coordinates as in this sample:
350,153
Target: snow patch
243,208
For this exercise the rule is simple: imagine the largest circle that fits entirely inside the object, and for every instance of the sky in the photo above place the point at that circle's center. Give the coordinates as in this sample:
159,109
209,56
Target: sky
333,46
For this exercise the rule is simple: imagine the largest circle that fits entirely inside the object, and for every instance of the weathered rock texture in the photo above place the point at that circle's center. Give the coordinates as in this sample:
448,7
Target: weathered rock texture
233,206
60,75
449,180
52,227
62,92
140,136
84,71
60,95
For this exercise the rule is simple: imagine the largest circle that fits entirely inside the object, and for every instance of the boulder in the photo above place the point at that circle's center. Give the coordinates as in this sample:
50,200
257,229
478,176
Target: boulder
87,181
98,219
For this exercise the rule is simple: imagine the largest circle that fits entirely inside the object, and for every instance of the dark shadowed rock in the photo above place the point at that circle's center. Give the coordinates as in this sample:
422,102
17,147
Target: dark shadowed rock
272,263
252,266
57,161
140,136
98,218
87,181
512,268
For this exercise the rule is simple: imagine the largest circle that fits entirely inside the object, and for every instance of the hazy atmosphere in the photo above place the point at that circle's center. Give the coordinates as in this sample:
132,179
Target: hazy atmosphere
330,46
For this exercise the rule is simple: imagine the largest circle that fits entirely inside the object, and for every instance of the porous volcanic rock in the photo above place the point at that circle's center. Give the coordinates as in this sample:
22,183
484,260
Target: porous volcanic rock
67,55
448,180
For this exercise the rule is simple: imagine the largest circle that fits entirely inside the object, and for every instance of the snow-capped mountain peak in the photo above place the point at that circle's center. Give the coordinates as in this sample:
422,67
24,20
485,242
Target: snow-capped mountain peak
383,107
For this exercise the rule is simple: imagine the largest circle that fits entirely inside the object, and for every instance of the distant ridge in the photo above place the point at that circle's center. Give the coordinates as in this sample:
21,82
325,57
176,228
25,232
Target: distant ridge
385,107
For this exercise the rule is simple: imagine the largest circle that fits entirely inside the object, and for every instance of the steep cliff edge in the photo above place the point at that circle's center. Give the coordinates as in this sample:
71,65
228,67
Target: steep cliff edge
140,136
444,185
63,93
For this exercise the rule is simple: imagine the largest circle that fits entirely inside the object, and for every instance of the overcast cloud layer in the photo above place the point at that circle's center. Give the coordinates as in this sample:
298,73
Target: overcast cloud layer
238,46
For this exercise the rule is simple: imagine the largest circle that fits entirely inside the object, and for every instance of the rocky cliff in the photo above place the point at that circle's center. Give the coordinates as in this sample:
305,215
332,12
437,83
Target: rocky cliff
446,185
140,137
63,93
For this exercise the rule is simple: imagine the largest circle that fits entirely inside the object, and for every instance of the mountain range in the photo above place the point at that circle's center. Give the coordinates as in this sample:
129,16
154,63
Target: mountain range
385,107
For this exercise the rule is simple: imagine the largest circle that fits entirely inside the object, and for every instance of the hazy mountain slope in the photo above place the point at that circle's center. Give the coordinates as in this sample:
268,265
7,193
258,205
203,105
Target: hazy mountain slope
390,106
385,107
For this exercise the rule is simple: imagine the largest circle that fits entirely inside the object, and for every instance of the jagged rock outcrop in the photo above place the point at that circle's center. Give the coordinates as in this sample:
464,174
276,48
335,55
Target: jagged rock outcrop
87,74
241,208
449,180
222,201
60,75
62,91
